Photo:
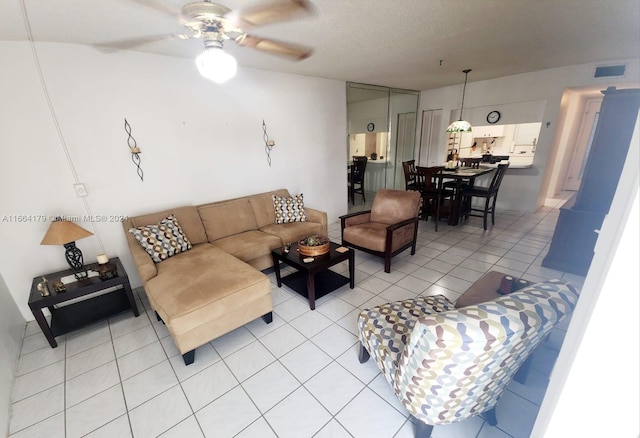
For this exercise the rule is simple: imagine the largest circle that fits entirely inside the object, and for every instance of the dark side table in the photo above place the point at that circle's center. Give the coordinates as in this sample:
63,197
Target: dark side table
314,280
66,318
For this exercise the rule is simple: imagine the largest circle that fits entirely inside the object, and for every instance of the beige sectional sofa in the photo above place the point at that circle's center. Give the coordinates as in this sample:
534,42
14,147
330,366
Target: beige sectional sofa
217,285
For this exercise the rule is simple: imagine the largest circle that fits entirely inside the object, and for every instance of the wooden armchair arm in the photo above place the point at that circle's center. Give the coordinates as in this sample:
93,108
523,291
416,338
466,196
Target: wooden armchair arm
403,223
357,213
356,218
391,228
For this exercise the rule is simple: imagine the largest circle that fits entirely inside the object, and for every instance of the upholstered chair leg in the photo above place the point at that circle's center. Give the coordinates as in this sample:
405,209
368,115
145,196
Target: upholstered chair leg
363,355
268,317
158,317
523,371
490,416
189,357
387,263
423,430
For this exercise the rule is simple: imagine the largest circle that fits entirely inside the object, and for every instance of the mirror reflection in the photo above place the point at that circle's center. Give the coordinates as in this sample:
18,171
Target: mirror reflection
372,145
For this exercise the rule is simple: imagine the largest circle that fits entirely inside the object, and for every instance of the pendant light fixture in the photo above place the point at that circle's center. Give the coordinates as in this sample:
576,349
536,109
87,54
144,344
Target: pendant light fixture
461,125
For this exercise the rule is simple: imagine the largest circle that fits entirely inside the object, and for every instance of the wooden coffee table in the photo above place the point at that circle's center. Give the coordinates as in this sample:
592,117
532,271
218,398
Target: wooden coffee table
486,289
314,280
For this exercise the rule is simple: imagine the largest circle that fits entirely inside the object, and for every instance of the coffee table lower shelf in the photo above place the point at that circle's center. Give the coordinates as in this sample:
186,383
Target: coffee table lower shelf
325,282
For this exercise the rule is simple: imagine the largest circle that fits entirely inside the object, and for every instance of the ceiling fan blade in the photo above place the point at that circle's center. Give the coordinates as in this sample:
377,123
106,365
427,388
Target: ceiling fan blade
275,47
132,43
282,10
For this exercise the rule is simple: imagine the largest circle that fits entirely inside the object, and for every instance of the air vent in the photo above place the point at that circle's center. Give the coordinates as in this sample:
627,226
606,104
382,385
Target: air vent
609,71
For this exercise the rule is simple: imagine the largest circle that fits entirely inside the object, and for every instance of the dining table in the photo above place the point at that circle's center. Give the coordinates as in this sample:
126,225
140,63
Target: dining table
461,176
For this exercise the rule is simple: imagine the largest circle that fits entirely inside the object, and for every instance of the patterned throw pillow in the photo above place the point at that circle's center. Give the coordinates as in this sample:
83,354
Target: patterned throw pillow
163,240
289,209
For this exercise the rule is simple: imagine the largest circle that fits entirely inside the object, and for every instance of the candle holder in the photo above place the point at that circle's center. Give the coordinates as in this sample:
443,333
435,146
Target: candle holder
102,259
107,271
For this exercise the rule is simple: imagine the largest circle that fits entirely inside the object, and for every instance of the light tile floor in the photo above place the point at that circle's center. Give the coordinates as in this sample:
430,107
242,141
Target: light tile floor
296,377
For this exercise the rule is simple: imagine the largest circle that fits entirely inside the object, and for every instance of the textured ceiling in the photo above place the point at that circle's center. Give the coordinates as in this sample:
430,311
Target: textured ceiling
411,44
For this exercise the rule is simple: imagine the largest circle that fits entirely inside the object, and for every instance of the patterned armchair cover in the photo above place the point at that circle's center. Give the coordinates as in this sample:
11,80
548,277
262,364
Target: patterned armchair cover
446,364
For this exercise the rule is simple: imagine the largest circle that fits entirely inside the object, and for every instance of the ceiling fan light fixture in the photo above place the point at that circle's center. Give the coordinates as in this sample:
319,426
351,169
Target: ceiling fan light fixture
216,65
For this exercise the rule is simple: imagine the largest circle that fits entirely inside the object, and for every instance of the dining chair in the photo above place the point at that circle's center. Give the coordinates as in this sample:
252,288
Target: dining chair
355,178
474,163
489,194
410,179
432,192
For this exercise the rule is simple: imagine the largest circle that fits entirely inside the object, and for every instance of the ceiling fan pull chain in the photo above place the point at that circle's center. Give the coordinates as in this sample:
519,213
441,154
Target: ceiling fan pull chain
135,150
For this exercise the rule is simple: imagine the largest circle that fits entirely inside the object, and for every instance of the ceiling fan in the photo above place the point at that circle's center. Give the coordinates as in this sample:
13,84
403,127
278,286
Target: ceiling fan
215,23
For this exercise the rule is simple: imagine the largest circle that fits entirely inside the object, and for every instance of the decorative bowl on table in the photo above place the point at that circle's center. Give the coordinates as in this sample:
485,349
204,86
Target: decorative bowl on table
313,245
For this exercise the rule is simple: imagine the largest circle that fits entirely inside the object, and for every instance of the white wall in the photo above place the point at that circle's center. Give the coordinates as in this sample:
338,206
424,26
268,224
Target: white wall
200,142
11,332
521,188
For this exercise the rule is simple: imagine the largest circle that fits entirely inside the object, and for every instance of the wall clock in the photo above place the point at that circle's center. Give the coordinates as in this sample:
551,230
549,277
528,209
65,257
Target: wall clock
371,127
493,117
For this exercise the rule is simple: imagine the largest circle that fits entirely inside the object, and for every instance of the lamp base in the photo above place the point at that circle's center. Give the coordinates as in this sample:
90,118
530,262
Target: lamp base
74,258
81,275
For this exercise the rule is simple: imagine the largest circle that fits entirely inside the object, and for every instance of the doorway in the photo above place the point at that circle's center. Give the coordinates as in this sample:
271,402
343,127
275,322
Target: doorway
429,135
576,122
583,145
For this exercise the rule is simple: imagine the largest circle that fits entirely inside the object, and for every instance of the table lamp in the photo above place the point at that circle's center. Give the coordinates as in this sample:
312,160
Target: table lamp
65,233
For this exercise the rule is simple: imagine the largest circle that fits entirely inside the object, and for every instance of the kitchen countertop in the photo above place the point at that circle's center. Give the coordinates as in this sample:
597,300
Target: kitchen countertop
516,161
370,161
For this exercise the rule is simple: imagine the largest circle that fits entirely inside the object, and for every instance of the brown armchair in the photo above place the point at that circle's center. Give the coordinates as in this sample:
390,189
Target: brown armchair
390,227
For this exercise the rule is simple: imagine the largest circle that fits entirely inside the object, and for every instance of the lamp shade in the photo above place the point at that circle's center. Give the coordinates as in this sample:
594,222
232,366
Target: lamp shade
217,65
61,232
459,126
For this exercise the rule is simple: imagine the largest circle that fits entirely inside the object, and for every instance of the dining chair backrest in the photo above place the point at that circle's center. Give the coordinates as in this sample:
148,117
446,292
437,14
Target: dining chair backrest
497,177
426,179
474,163
355,178
409,168
358,168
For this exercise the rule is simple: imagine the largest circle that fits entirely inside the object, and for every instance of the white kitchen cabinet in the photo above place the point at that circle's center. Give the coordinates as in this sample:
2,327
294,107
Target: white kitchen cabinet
527,133
488,131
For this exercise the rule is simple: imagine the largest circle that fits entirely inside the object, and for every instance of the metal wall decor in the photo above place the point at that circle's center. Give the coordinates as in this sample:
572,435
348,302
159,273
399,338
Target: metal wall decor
135,150
268,144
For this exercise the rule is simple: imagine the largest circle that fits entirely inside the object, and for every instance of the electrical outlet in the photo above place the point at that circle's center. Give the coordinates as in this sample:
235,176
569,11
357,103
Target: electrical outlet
81,190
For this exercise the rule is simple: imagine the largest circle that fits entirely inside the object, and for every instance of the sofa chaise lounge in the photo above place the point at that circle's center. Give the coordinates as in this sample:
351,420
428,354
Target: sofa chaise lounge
213,283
